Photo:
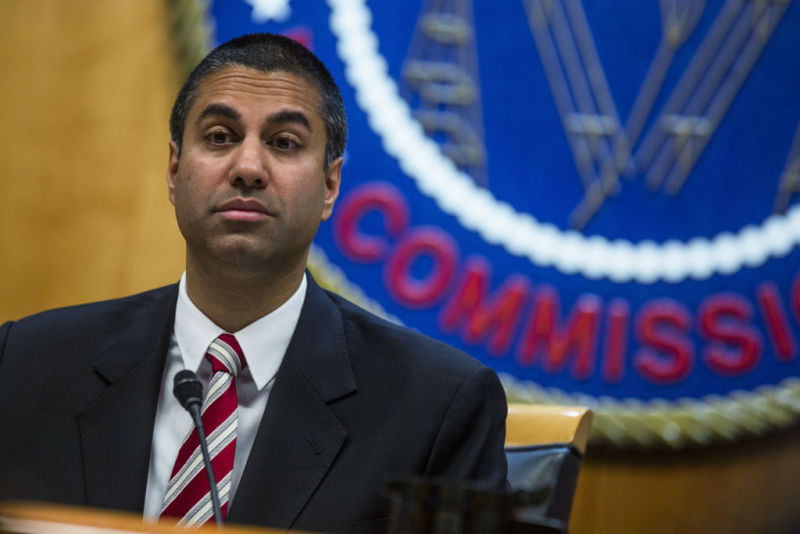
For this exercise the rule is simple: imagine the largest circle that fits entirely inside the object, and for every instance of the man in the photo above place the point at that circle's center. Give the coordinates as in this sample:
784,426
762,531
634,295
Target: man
327,400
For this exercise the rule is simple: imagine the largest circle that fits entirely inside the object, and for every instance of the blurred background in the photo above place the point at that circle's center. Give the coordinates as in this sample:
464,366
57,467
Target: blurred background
84,213
596,199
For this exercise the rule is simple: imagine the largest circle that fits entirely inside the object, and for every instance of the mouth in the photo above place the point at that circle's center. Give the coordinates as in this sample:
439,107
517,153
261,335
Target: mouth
241,209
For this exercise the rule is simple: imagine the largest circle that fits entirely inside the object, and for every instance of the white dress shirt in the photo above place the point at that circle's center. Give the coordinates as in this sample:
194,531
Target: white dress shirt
264,343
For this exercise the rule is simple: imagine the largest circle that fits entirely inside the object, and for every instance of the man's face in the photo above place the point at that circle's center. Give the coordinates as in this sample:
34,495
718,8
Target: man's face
248,187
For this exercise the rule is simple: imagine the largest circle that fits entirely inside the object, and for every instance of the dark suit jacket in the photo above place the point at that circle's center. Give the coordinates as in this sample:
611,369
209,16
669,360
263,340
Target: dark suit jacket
356,399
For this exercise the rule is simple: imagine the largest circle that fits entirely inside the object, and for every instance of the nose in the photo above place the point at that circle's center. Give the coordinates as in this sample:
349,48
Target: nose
249,167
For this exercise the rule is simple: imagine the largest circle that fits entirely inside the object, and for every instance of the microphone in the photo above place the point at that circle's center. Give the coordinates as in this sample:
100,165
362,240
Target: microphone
189,392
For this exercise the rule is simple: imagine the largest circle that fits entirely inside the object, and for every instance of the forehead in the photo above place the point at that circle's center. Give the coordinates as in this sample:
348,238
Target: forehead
239,86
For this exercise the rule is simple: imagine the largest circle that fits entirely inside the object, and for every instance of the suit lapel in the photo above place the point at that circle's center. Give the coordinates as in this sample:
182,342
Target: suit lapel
299,436
116,428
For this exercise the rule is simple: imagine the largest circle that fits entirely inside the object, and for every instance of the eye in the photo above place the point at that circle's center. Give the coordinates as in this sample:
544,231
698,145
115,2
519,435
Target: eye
219,137
285,143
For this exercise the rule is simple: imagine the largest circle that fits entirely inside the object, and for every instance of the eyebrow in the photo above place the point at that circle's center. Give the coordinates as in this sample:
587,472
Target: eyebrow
282,117
219,110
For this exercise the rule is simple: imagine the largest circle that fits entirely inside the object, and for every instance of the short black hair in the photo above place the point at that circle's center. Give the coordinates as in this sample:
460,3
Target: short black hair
268,52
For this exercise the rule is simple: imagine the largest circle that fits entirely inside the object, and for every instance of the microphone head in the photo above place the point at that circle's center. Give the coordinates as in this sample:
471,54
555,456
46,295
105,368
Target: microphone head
188,389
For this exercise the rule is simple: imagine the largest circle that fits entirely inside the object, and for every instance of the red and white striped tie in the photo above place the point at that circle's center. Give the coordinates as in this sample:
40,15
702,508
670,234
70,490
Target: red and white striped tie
188,496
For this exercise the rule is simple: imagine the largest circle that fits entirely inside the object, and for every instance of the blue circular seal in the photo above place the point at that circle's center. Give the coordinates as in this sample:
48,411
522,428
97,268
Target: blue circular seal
597,199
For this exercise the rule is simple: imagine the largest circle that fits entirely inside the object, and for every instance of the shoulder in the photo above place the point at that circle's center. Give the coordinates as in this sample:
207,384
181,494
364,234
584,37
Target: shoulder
395,357
429,401
392,341
97,310
84,320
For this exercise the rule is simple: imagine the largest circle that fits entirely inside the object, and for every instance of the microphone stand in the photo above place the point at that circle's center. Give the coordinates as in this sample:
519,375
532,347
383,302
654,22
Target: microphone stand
188,390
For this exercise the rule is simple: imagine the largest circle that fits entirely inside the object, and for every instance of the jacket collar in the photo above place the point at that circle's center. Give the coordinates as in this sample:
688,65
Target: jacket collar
121,417
299,436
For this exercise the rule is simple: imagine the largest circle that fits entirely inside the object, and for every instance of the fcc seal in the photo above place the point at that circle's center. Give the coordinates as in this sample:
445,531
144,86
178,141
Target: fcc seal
597,199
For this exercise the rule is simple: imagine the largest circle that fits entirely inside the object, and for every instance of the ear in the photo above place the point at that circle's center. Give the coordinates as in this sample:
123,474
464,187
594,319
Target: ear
172,170
333,178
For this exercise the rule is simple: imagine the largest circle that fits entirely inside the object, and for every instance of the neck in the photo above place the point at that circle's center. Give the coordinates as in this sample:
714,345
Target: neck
233,298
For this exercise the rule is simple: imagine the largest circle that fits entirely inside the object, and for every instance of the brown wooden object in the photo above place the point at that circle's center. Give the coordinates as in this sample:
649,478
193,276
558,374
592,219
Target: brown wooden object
37,518
538,424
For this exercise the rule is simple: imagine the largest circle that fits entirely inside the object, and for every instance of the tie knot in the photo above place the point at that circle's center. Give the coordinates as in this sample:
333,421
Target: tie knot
226,355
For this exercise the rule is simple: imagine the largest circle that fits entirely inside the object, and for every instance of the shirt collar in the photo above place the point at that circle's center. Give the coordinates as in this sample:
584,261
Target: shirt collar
264,342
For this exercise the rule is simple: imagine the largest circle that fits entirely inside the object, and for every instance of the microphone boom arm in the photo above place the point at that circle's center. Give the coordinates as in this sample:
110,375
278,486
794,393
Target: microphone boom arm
189,392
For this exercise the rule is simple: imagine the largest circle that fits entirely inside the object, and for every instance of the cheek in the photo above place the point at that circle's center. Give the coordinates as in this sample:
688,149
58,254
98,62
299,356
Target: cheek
186,199
313,196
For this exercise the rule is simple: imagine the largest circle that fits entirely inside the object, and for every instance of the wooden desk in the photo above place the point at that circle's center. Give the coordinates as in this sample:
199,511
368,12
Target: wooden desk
35,518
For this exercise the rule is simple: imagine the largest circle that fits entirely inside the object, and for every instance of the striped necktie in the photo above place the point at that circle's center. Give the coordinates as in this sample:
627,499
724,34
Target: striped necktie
188,496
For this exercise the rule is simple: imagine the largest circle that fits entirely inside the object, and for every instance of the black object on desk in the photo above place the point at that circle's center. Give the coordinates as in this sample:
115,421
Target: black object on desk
423,506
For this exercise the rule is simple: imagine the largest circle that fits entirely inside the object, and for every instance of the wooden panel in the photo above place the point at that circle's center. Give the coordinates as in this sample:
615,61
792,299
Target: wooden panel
85,98
735,489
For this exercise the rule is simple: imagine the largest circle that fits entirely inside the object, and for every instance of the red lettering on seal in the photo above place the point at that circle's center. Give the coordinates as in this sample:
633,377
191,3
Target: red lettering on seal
734,346
423,241
775,319
498,313
578,337
378,197
666,355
